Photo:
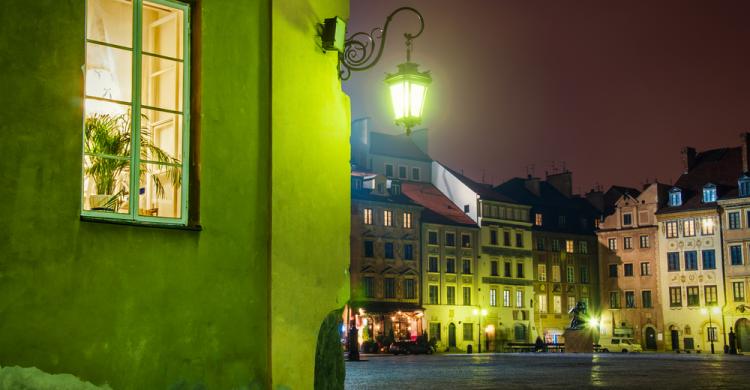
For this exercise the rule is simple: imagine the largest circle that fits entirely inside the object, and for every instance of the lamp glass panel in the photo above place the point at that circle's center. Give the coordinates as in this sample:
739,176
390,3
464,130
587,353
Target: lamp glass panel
416,99
399,99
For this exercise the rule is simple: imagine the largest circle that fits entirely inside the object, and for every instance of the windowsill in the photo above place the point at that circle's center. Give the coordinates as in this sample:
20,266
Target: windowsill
194,228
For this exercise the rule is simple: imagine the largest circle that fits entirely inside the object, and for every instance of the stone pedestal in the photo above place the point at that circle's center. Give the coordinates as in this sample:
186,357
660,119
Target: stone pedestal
578,340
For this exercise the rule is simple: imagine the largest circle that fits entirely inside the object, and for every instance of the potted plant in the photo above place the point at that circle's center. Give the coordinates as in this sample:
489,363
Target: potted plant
109,135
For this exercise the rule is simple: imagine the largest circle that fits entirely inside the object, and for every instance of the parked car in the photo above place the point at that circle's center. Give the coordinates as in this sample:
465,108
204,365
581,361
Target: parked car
410,347
618,344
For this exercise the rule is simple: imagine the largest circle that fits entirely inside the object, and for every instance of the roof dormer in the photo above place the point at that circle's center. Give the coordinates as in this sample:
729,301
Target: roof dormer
675,197
744,185
709,193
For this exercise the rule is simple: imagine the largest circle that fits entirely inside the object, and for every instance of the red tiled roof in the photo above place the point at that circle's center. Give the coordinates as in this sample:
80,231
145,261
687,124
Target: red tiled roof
437,207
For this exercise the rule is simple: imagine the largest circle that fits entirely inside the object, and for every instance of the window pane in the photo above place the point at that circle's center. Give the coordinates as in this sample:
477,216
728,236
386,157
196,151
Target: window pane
105,183
159,190
161,83
110,21
108,76
162,30
161,137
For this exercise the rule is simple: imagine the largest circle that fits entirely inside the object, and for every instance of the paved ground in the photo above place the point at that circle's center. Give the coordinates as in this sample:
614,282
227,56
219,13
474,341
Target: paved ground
550,370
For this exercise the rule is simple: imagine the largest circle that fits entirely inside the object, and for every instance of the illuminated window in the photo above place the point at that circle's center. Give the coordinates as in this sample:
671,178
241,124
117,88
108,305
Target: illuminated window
557,303
367,216
387,218
506,297
571,303
538,219
710,295
407,220
671,229
136,142
688,227
542,299
519,298
569,246
644,242
542,272
627,242
612,244
493,297
645,268
707,226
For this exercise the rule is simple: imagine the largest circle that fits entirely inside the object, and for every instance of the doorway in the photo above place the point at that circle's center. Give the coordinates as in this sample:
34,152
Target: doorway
675,340
742,330
650,339
452,335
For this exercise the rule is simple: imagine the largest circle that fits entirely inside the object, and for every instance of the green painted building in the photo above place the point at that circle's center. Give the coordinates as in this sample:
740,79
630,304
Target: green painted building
205,248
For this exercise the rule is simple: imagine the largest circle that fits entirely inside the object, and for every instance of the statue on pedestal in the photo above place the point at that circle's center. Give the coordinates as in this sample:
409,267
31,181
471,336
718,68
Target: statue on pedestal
578,311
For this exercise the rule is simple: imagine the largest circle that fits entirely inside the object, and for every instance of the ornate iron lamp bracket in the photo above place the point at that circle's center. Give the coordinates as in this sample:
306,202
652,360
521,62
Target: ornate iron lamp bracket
360,47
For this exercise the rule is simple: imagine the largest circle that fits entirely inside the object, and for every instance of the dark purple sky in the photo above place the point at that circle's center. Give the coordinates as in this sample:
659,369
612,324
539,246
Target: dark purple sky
613,88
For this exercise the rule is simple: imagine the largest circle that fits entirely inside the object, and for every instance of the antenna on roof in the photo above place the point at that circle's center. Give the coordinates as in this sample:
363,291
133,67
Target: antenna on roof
483,172
530,170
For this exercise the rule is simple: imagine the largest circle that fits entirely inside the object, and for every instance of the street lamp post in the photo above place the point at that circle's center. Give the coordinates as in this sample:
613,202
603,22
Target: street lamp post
480,314
705,311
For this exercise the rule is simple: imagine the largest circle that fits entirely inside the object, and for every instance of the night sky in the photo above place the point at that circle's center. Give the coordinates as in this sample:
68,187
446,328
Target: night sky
614,89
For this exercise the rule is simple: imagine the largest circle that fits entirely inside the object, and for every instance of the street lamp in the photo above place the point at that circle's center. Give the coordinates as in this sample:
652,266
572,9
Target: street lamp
408,86
483,313
705,311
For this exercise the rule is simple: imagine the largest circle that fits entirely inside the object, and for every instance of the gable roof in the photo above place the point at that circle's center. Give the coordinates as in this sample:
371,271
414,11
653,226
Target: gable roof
437,207
400,146
484,191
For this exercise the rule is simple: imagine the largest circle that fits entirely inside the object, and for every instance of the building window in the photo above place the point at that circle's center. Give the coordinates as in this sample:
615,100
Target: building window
519,270
507,270
627,219
557,303
555,273
744,184
435,330
627,242
465,241
629,299
434,293
432,265
388,170
408,252
712,334
450,239
555,245
156,154
738,290
367,216
541,271
673,261
468,331
389,250
671,229
691,260
710,295
407,220
693,296
415,174
561,220
432,238
467,296
613,270
387,218
569,246
735,253
466,267
734,220
451,295
493,297
584,273
645,268
506,298
389,287
519,240
627,269
519,298
583,247
709,259
688,228
614,299
675,297
409,291
571,303
467,208
675,197
368,287
369,249
646,299
450,266
402,172
538,219
542,298
493,237
571,274
644,241
709,193
707,226
612,244
493,268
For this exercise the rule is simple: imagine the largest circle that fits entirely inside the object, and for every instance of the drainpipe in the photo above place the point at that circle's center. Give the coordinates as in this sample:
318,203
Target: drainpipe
723,278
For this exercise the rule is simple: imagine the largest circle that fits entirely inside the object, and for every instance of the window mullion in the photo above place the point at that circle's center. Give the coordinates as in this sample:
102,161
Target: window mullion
135,168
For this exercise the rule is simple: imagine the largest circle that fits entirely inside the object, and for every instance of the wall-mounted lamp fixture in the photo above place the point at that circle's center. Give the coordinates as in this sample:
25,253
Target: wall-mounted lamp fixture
408,86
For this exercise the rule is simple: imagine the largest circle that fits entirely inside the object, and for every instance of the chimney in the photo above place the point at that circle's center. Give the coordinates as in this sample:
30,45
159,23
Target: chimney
596,199
688,158
563,182
745,151
532,185
360,142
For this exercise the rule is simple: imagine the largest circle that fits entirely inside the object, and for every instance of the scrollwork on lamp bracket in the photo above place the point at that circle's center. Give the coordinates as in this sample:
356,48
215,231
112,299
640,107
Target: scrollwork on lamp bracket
360,47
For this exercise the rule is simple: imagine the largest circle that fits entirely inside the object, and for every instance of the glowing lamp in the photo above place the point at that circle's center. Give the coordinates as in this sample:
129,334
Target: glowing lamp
408,89
484,312
594,322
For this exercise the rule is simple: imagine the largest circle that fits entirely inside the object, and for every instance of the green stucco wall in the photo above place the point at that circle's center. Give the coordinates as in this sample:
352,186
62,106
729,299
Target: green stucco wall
310,187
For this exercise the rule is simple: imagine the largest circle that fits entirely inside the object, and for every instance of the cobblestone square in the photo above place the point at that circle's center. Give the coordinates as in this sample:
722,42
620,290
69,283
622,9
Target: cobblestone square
513,371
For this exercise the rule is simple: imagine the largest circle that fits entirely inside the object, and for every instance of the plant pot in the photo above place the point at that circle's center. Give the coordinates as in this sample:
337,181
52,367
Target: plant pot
99,202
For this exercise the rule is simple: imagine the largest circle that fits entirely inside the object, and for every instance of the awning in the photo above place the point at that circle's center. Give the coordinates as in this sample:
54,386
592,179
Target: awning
385,307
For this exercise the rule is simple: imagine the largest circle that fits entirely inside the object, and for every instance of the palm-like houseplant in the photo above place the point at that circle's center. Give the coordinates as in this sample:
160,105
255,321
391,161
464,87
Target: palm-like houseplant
109,135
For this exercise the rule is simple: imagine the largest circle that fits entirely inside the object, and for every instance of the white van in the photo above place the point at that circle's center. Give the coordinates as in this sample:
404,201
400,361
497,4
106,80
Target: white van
619,344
